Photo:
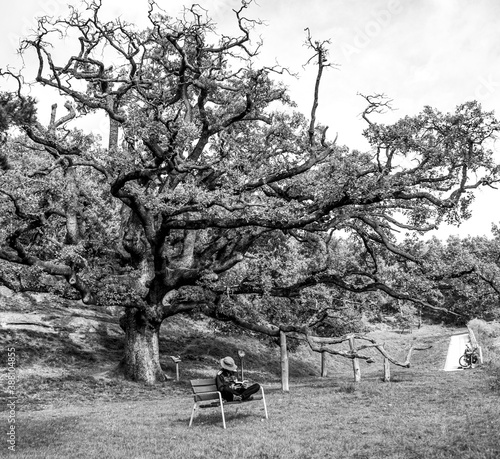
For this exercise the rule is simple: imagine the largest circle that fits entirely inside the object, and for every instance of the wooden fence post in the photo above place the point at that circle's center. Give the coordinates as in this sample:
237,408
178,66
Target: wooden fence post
284,363
387,370
355,361
324,370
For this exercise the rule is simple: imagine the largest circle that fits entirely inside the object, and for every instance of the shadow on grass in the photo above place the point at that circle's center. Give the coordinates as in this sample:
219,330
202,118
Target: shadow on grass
35,347
113,343
214,417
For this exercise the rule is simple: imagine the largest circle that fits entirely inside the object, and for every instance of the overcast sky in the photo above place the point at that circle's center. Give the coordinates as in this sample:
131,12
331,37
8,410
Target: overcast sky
418,52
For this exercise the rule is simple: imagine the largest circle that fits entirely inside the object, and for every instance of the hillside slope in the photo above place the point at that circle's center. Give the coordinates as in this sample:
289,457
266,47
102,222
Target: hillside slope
69,353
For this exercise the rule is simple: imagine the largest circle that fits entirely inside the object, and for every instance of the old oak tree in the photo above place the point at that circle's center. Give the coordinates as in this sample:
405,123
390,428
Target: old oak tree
212,193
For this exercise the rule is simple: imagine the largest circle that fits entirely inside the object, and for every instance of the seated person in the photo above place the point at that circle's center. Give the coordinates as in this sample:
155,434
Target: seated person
228,385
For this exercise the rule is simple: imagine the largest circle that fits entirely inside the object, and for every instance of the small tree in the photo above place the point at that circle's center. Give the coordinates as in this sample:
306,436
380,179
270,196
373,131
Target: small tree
206,161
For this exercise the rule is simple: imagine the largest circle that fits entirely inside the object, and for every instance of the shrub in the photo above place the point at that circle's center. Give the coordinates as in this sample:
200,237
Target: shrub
488,337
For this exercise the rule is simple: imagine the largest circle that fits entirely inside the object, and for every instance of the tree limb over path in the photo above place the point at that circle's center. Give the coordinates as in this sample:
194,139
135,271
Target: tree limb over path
317,343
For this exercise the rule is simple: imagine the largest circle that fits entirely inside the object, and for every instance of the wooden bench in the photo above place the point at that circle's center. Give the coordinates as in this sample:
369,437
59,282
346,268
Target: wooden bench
206,395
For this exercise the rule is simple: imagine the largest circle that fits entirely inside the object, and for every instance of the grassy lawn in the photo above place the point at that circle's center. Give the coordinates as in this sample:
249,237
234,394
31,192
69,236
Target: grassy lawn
421,414
66,412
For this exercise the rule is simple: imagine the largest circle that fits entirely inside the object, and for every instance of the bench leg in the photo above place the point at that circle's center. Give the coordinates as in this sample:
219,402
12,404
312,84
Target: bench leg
192,414
264,400
222,410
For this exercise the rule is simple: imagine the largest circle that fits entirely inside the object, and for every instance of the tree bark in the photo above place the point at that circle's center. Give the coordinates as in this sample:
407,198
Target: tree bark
72,227
113,128
142,354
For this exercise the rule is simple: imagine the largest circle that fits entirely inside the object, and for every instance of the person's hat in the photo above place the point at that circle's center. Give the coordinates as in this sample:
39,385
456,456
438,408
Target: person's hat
228,364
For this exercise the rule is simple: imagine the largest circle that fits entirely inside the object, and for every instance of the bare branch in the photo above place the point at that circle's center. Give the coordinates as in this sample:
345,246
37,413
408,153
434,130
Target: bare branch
377,103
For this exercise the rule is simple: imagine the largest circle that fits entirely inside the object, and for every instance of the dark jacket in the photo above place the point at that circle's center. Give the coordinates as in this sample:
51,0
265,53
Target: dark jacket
226,382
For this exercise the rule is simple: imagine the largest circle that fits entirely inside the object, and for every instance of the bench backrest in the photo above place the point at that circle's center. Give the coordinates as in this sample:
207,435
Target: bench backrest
204,389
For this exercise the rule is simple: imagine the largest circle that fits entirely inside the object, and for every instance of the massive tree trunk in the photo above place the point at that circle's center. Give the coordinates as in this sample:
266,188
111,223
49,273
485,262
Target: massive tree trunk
142,354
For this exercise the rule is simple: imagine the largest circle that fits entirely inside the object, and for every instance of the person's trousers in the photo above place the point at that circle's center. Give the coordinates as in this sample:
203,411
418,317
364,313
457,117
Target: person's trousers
249,391
243,393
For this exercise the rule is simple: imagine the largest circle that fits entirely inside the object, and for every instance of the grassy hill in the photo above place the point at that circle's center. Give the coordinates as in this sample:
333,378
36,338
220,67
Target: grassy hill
71,351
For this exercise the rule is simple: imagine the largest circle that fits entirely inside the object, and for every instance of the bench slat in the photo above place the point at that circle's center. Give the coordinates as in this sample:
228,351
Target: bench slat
202,389
208,396
202,382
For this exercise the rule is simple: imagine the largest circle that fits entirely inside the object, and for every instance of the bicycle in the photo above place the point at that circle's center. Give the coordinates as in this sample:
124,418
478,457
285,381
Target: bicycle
469,358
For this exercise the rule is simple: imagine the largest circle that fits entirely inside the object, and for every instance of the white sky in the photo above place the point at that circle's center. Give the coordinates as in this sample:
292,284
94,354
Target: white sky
418,52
